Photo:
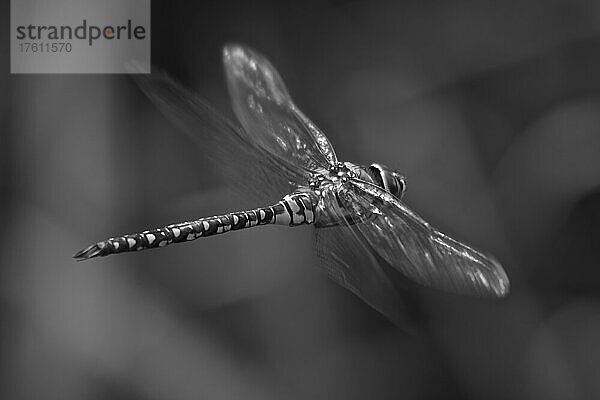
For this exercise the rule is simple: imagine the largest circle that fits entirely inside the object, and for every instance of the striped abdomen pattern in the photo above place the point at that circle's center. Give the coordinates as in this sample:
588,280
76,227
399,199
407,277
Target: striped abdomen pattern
295,209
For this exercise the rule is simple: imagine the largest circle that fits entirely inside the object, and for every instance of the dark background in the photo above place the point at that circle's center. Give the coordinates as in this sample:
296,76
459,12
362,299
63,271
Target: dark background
491,109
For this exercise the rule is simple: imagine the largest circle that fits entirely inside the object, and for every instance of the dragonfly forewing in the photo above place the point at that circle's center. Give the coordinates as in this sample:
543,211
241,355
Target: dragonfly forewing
422,253
268,114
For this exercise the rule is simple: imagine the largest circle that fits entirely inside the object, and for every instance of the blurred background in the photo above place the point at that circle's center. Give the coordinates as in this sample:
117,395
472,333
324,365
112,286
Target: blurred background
492,111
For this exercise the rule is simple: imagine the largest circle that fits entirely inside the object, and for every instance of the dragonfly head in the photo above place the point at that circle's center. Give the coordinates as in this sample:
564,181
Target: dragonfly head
388,179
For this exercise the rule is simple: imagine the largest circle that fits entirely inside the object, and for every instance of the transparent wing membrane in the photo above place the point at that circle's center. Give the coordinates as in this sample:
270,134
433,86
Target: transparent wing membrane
419,251
349,262
270,118
345,262
259,175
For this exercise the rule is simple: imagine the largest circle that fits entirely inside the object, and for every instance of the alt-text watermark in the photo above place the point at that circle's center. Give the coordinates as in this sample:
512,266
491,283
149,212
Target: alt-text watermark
80,36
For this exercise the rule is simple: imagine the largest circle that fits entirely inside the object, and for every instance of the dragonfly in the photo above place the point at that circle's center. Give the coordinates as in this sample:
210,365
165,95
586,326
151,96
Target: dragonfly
364,231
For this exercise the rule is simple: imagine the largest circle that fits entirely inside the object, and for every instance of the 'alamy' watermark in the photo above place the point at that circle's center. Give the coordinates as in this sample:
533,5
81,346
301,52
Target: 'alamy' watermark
80,36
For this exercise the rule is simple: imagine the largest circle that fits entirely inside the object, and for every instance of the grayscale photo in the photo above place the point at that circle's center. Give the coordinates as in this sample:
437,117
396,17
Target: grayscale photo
300,200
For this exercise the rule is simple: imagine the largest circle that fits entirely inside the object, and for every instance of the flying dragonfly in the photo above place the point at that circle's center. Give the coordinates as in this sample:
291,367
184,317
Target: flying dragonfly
363,227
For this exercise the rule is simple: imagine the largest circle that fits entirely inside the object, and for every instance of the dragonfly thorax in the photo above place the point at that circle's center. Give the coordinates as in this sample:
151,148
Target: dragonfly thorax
336,174
376,174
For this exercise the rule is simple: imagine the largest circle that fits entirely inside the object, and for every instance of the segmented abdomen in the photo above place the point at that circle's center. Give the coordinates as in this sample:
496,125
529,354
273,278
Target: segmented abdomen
293,210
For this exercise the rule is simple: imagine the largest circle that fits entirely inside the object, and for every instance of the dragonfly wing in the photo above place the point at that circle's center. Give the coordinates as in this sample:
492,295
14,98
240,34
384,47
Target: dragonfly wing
221,139
350,263
270,118
422,253
345,262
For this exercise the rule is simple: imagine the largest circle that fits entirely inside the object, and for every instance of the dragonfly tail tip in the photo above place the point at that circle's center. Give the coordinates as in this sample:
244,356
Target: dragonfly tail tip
87,253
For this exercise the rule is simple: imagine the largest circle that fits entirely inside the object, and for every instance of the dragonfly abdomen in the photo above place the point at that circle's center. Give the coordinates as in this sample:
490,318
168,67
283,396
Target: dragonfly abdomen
294,210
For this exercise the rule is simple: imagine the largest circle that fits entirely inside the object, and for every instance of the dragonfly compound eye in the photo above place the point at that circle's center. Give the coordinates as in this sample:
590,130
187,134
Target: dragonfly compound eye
387,179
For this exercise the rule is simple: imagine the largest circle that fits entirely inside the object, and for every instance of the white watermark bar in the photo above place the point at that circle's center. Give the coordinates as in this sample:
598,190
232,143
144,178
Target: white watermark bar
80,36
